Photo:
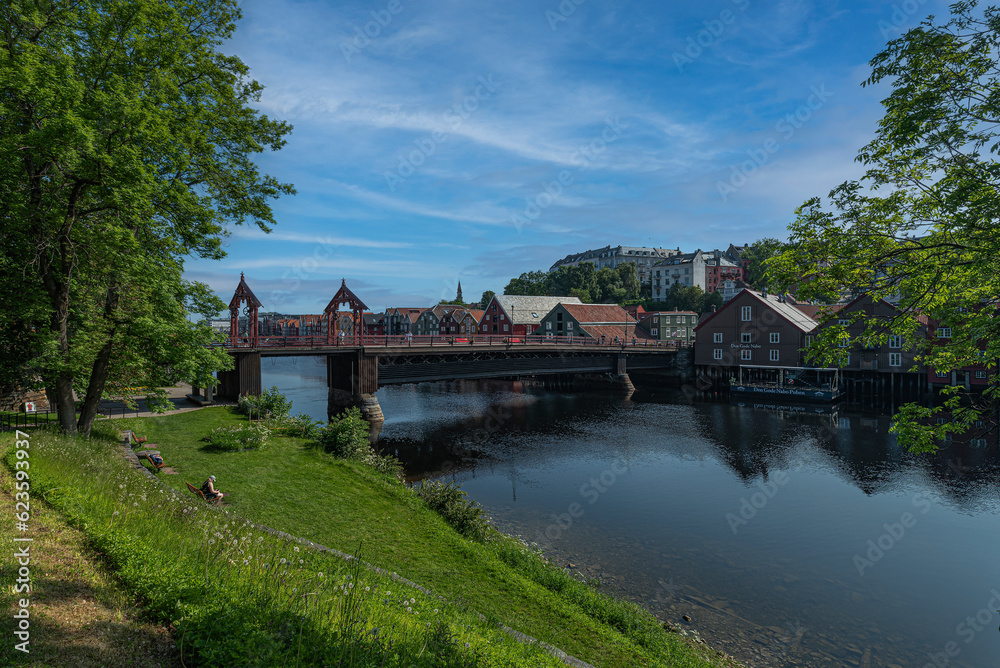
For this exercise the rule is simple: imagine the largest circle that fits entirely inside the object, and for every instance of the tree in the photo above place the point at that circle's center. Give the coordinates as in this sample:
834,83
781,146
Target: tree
758,253
486,299
921,226
533,283
127,140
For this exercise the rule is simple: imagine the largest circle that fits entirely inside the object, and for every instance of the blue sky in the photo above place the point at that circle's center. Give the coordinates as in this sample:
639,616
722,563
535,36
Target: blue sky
446,140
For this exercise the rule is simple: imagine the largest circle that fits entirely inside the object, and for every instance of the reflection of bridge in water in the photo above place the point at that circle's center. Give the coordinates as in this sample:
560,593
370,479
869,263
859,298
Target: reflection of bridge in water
358,364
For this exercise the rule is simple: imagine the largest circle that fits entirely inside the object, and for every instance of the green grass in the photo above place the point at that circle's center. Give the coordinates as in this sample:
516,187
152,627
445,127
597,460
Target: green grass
236,596
342,504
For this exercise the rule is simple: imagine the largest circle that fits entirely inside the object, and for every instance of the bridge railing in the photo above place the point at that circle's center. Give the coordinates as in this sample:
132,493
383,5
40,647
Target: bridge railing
387,340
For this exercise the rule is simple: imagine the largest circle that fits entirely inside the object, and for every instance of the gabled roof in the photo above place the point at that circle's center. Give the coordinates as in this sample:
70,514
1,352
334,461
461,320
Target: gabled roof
599,314
619,330
475,314
523,310
345,296
777,303
242,292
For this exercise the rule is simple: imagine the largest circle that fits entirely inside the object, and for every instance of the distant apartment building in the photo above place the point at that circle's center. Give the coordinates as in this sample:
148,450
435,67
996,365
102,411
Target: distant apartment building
676,326
707,270
644,258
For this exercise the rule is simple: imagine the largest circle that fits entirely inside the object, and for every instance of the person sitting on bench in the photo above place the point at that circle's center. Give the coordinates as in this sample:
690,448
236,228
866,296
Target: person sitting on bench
208,489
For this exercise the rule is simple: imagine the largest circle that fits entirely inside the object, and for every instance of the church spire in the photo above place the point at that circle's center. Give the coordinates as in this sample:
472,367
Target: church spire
458,297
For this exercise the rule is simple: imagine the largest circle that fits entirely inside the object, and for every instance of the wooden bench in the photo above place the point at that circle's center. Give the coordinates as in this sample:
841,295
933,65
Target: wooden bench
132,438
200,494
156,467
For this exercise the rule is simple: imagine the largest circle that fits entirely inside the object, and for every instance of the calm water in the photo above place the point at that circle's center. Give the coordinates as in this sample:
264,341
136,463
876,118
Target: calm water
755,522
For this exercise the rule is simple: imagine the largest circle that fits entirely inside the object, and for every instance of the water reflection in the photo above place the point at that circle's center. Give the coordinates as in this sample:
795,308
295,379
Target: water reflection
811,491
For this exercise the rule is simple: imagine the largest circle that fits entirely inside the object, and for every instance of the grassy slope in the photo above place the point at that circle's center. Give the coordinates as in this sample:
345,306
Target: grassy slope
80,615
340,504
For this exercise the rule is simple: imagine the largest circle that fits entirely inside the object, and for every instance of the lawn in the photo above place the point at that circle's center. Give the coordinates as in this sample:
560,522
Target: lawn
340,504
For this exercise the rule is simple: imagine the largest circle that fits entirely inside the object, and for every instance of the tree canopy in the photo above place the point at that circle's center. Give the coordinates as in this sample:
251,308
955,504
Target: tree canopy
127,139
585,281
920,227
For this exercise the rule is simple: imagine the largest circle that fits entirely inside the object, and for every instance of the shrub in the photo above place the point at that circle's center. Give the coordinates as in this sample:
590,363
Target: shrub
238,437
301,425
449,501
346,437
270,401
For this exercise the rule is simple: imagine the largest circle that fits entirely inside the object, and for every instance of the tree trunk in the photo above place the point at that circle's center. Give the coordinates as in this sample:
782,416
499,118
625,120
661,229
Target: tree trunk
65,406
95,388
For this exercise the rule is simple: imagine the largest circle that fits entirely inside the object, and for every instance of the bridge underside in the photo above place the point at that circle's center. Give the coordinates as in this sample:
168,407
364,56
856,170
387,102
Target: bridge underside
396,371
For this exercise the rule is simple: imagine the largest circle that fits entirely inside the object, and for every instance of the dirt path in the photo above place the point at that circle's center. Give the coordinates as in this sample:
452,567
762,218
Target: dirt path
79,615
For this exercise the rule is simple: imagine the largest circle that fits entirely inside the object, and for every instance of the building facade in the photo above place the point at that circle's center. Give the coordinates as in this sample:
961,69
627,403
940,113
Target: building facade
644,258
592,322
517,315
674,326
705,270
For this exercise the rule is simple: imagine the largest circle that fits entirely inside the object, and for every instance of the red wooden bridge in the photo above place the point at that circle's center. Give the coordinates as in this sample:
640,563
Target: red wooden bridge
358,364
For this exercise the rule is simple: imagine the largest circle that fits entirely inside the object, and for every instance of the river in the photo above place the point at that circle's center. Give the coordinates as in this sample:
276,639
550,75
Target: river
783,536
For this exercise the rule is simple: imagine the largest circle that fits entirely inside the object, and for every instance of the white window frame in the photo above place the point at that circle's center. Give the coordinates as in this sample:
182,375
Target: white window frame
745,355
775,355
505,328
717,353
980,374
775,337
717,337
895,359
746,337
895,341
943,332
655,331
941,374
746,313
548,326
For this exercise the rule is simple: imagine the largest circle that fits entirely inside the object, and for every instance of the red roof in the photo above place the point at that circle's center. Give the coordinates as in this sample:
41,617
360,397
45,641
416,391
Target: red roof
599,314
621,331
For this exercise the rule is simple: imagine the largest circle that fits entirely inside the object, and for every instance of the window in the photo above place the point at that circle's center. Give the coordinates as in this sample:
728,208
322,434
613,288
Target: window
845,340
745,354
717,337
505,328
980,374
895,359
745,314
569,325
746,337
656,319
717,353
655,331
942,374
484,327
809,340
774,355
978,443
775,337
844,323
943,332
895,341
548,326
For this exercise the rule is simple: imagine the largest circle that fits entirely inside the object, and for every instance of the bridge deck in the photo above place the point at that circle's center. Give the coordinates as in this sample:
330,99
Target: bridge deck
457,348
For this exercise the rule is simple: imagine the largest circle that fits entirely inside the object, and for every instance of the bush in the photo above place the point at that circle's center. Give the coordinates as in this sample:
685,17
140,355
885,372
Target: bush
238,437
449,501
346,437
271,401
301,425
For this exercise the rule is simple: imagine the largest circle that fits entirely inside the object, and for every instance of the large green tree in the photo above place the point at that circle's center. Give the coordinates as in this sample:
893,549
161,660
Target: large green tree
126,139
921,226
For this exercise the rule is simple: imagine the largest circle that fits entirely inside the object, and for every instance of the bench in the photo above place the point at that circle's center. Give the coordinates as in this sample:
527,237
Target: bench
200,494
156,467
132,438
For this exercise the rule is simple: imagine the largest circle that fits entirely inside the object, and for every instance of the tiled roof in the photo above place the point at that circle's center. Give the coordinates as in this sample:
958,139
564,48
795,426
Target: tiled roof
599,314
611,331
524,310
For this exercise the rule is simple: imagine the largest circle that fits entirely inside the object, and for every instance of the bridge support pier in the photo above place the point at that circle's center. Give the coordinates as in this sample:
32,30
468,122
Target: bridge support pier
620,380
243,379
352,380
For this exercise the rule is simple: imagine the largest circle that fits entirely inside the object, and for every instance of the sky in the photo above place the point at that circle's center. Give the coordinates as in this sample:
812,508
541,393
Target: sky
438,141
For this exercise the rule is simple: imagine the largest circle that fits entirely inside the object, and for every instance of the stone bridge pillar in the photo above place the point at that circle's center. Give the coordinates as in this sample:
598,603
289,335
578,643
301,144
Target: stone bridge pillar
243,379
619,374
352,379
